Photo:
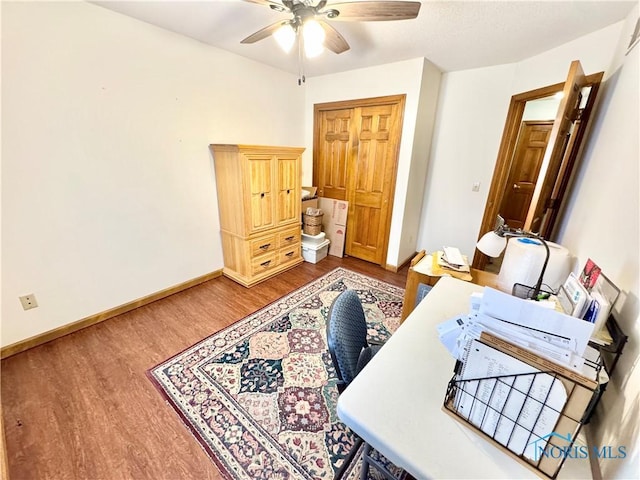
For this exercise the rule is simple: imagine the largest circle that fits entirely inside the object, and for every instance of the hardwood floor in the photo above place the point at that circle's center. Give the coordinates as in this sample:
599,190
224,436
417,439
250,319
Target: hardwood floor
82,407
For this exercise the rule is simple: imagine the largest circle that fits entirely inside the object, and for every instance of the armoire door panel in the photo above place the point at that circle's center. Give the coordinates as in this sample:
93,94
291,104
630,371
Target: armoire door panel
288,179
261,192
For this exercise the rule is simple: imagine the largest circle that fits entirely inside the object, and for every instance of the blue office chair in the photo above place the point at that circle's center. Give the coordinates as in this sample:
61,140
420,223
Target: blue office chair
350,352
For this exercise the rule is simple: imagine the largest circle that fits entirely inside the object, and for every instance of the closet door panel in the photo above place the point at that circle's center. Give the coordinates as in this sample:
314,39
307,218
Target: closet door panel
336,148
371,183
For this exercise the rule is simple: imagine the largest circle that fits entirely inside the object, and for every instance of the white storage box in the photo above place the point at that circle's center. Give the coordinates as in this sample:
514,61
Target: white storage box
315,253
313,240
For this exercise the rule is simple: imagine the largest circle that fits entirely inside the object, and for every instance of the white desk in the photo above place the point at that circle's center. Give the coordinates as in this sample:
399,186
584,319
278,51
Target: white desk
395,402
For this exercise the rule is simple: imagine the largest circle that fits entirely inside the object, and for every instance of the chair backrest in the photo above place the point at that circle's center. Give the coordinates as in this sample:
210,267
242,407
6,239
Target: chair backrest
346,334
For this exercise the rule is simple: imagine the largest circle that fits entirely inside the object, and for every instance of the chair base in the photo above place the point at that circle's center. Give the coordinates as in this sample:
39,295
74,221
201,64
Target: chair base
367,462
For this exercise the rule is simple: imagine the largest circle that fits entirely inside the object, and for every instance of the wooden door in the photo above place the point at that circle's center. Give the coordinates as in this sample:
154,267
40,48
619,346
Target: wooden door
371,176
563,143
288,180
356,147
528,157
331,171
260,191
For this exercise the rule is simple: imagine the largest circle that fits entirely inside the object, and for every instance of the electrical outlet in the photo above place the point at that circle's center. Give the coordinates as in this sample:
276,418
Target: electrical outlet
475,187
28,301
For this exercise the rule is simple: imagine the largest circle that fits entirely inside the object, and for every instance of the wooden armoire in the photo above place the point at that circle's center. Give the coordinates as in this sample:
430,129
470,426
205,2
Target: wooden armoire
259,200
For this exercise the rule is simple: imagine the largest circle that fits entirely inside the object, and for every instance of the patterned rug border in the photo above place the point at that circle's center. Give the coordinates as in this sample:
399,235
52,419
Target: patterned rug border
310,288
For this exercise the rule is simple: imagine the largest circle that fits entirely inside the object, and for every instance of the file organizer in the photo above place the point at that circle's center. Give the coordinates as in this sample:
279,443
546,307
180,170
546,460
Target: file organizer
526,415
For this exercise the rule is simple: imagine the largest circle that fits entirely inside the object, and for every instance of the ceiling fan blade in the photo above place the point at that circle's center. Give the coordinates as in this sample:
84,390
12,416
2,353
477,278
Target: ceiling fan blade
374,11
265,32
264,2
278,7
333,40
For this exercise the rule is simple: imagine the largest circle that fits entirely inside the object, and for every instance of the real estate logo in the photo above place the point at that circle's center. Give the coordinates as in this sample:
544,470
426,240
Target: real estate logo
570,450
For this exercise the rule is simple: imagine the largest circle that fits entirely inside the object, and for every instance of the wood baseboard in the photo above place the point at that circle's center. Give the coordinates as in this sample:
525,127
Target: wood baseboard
396,269
45,337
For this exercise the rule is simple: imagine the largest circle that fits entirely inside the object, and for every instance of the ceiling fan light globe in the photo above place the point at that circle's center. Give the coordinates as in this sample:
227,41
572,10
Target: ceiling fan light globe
286,37
313,36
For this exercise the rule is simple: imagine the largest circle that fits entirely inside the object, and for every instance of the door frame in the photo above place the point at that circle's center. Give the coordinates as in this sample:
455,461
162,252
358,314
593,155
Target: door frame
508,145
399,100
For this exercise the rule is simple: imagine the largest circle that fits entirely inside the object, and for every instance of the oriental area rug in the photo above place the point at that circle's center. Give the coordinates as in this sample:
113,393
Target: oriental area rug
260,395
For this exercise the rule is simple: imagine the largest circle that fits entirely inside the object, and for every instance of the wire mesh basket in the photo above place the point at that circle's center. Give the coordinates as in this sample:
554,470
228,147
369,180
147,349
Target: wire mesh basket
526,291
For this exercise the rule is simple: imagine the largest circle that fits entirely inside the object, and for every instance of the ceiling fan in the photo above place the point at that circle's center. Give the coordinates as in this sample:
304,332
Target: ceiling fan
309,23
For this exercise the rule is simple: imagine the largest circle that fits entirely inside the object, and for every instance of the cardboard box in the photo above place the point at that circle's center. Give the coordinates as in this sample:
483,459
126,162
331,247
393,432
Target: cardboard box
311,198
334,223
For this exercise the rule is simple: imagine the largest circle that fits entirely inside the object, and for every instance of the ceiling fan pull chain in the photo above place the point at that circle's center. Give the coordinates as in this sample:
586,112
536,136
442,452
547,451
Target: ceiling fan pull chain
301,78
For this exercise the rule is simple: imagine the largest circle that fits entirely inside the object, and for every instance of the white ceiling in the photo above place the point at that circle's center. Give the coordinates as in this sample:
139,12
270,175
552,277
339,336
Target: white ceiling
454,35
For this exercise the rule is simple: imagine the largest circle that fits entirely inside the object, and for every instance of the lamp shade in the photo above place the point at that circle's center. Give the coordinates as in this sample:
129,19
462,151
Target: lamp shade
491,244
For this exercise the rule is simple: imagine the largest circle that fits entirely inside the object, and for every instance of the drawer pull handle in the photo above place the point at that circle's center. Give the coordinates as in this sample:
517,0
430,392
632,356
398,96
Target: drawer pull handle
290,254
288,192
262,195
265,246
288,239
265,264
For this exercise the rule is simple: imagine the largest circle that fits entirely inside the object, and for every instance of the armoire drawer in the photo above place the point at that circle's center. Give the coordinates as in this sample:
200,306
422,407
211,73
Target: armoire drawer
289,254
289,237
264,263
262,245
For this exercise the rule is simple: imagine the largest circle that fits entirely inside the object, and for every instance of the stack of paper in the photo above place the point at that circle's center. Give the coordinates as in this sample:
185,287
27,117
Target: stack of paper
440,263
546,332
515,358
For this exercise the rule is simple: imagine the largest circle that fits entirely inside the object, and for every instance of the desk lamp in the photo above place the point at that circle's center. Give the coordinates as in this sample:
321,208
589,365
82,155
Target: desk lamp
493,243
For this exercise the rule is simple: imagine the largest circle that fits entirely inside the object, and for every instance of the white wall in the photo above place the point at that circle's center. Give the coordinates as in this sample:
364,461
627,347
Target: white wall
603,216
108,191
407,77
471,113
427,108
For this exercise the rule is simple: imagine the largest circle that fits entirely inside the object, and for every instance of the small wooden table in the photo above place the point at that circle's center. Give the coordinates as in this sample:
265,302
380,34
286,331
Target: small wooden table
415,278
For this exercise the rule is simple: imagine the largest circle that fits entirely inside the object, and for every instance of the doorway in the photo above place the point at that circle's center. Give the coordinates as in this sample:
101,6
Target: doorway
355,158
579,94
523,176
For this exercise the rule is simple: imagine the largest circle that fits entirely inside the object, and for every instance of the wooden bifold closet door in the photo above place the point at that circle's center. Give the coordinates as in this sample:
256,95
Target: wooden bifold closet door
356,146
